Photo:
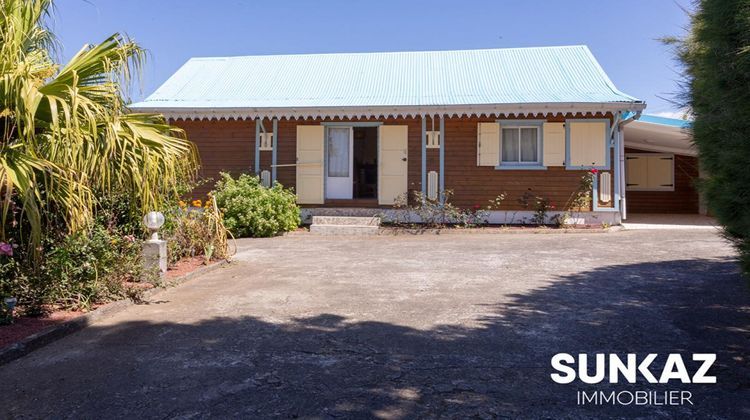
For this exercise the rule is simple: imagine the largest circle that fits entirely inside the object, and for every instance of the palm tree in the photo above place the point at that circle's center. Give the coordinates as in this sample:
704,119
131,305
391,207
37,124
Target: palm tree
66,135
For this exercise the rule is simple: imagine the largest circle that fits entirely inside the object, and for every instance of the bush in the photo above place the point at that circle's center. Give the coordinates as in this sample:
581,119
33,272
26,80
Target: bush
716,58
74,271
193,231
434,214
253,210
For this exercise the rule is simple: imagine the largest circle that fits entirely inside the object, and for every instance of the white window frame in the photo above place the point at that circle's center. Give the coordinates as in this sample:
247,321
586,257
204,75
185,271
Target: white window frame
266,141
660,155
535,164
433,139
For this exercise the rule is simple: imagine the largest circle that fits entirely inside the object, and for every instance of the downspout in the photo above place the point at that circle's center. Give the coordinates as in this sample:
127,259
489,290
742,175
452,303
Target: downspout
623,198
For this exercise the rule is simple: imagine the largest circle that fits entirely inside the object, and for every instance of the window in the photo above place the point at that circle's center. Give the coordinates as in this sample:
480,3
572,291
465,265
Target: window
266,141
433,139
520,146
338,151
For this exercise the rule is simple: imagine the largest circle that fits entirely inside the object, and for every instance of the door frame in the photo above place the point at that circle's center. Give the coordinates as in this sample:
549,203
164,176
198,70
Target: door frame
350,164
351,125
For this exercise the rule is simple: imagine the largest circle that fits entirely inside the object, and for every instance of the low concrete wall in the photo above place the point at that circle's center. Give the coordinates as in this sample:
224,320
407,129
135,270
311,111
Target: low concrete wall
500,217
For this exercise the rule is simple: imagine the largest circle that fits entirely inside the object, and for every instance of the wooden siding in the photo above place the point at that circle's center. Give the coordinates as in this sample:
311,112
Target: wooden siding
223,145
230,146
684,198
476,185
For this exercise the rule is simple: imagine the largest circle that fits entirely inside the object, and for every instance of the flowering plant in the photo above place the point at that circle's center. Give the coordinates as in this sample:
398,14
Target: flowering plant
6,249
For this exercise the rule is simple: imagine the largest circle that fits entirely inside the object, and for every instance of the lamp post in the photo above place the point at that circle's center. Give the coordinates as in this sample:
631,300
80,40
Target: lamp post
154,249
154,220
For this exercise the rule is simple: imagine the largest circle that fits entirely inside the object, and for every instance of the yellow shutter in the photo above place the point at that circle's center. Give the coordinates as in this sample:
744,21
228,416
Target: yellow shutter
636,172
553,143
488,144
588,144
660,172
310,164
392,163
649,172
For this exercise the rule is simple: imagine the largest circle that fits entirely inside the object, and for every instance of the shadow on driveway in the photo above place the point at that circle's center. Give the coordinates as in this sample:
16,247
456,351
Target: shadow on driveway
325,366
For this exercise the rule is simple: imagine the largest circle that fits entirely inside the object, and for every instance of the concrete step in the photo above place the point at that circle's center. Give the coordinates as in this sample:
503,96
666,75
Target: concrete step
343,230
345,221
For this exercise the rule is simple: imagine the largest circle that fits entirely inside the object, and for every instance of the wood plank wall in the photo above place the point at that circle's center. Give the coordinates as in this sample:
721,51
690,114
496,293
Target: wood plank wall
229,145
683,200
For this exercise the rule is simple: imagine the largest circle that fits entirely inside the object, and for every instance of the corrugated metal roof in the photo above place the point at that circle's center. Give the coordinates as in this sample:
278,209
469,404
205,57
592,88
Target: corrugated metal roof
567,74
671,122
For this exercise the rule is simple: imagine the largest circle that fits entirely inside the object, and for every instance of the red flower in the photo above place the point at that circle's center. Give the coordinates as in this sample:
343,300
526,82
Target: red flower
477,206
594,171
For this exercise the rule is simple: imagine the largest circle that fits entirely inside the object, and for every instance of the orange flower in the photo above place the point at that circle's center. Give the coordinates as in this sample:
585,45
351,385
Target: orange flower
197,203
182,204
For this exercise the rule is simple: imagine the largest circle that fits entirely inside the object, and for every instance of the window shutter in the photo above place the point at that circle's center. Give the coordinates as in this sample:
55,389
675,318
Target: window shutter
488,144
649,172
265,178
635,172
310,164
605,187
588,144
660,172
432,185
553,143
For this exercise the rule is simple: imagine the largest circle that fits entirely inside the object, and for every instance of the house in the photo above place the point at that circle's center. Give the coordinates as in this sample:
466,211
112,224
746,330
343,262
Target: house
354,133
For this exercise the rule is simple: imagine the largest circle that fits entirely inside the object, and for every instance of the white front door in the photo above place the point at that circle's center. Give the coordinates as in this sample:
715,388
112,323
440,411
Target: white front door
339,163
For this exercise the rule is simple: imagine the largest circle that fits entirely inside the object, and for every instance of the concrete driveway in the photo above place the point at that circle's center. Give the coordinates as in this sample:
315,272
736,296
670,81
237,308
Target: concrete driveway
449,326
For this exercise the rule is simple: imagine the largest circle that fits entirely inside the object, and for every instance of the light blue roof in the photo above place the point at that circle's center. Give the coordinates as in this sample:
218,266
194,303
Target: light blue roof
567,74
672,122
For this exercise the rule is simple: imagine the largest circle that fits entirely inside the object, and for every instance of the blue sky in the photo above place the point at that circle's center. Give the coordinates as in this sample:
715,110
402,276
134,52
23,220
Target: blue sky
622,35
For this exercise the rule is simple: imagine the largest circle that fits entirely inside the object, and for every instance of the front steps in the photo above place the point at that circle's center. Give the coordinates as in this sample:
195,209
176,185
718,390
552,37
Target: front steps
345,225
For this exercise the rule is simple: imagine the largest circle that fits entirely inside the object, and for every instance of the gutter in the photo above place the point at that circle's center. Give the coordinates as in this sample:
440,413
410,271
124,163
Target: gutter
621,150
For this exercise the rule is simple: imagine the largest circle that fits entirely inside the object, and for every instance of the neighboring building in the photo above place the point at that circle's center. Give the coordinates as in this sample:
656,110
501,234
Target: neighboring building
353,132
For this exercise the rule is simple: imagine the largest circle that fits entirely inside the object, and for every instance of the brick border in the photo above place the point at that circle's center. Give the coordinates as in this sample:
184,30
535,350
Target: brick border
55,332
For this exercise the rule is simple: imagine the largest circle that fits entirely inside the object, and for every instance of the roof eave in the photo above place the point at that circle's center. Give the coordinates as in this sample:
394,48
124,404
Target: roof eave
388,111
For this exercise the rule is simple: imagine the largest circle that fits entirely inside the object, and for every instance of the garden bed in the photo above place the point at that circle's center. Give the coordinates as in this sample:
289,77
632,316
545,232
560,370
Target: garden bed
26,326
391,229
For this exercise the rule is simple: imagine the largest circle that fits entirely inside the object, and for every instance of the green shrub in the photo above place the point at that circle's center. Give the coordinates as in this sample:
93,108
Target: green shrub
716,59
194,231
73,271
253,210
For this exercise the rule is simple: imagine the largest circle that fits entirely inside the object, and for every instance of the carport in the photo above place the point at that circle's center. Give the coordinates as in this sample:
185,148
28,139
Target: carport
661,168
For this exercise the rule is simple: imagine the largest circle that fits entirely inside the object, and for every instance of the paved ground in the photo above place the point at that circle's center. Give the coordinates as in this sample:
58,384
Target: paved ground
670,221
449,326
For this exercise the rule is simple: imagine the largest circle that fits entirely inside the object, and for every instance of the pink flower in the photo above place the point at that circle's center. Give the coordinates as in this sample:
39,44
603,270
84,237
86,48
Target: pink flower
6,249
